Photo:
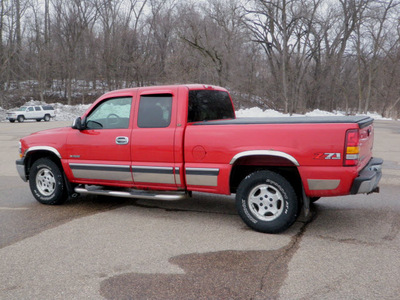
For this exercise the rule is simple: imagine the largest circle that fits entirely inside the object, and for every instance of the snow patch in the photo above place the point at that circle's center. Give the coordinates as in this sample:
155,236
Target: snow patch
256,112
69,112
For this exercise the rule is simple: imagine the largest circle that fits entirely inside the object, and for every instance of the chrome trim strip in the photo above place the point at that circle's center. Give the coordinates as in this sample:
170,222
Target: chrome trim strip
45,148
202,171
156,170
100,167
177,176
202,176
322,184
103,172
266,153
153,174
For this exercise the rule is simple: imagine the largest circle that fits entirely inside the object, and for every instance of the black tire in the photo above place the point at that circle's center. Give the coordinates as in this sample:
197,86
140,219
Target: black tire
38,120
21,119
12,121
47,182
267,202
47,118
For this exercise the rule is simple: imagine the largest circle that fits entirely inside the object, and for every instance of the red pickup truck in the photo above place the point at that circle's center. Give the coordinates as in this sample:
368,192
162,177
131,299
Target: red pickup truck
166,142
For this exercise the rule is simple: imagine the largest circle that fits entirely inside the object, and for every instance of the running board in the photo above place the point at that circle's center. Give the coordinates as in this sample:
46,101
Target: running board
137,194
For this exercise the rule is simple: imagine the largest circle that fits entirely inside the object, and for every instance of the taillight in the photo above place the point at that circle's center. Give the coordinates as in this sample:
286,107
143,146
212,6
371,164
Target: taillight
352,148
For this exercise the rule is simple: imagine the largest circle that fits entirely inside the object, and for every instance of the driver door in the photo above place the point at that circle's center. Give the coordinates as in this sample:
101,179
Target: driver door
101,152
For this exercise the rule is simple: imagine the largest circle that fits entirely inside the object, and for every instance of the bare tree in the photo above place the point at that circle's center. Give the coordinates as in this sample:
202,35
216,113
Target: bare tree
378,31
216,31
2,51
291,55
284,29
72,19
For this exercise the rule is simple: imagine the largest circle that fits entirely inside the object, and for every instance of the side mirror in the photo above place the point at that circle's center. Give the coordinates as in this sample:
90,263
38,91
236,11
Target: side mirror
79,123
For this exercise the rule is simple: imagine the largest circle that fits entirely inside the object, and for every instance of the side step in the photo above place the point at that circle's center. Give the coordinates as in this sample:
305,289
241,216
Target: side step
128,193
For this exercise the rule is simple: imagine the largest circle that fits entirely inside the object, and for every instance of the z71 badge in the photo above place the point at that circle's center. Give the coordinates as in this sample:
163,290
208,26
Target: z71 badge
327,155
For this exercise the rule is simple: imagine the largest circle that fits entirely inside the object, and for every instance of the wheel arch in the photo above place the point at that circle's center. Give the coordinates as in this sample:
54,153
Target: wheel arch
248,162
37,152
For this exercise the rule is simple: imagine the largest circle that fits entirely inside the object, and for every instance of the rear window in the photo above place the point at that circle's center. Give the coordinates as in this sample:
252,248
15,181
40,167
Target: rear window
205,105
48,107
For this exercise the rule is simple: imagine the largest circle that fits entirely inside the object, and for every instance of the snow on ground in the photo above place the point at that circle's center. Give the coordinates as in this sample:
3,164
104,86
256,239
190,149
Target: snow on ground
69,113
259,113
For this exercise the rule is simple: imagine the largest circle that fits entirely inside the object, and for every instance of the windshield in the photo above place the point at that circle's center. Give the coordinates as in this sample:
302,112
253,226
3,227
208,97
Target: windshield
23,108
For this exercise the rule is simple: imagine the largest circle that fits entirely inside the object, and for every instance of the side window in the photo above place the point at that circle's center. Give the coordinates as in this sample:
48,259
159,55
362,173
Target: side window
110,114
37,108
155,111
30,108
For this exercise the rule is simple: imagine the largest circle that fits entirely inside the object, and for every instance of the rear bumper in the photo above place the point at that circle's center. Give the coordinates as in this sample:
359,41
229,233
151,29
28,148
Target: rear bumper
368,179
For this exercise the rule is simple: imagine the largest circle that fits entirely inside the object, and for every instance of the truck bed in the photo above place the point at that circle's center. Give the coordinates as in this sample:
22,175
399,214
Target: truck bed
362,121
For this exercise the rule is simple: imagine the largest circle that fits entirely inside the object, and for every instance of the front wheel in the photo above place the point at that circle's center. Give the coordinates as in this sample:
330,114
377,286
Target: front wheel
47,118
47,182
267,202
21,119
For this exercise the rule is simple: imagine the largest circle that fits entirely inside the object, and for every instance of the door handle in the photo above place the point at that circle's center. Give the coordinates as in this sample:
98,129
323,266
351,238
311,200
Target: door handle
122,140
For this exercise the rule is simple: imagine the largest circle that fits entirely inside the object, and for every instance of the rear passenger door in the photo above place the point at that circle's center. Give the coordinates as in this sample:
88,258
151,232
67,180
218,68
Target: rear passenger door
152,141
38,114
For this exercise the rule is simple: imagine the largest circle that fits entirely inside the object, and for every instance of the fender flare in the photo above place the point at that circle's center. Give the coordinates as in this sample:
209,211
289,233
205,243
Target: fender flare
43,148
264,153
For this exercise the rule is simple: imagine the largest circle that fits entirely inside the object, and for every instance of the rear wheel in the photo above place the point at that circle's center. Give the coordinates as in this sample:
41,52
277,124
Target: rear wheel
267,202
47,182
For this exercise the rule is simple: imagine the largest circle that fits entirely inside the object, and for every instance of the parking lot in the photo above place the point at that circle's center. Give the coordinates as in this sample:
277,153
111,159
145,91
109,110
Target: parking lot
110,248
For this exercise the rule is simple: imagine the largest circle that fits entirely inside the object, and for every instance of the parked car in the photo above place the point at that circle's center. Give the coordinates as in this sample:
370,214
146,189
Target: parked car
166,142
31,112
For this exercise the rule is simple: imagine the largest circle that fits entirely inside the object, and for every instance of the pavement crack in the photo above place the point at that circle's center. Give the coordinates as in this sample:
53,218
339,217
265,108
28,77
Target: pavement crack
277,270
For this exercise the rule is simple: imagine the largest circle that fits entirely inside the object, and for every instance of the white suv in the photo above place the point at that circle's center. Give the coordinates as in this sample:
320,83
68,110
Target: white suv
34,112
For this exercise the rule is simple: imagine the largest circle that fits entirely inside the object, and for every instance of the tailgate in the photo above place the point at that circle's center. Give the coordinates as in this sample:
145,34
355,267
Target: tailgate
366,140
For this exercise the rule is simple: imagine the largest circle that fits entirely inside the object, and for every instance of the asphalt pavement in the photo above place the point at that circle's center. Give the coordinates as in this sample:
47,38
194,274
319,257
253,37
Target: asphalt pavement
112,248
